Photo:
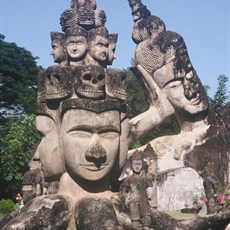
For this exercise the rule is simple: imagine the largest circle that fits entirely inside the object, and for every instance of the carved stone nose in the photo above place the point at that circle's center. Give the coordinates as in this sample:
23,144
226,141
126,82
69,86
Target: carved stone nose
96,154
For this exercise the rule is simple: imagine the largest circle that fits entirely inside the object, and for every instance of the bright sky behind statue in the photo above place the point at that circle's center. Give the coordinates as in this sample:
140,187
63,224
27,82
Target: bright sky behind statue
204,25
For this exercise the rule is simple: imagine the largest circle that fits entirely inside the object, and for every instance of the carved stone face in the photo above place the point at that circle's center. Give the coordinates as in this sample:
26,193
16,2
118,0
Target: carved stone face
175,94
76,47
175,89
99,48
137,165
91,143
58,51
90,82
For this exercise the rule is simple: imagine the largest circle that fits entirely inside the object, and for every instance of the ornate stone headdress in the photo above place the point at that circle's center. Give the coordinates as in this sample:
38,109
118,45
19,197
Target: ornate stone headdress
57,36
100,31
76,30
84,14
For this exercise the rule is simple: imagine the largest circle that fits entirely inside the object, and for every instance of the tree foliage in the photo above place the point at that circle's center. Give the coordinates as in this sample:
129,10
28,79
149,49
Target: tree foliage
136,98
19,138
222,96
18,72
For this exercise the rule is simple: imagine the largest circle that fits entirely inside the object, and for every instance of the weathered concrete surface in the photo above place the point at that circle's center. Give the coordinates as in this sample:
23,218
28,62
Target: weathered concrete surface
177,188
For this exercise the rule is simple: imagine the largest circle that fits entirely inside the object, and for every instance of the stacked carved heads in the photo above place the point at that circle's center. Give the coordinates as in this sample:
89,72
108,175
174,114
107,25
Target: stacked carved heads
84,27
81,103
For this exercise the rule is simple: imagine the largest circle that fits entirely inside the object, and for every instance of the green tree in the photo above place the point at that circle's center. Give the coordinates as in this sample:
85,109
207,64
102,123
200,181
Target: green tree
18,74
135,95
20,137
221,97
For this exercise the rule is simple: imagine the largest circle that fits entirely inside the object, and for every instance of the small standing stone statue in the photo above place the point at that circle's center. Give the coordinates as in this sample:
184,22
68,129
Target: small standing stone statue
136,191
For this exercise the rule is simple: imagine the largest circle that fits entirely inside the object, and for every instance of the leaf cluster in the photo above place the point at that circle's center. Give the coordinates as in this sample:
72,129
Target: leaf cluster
7,206
222,95
20,136
18,74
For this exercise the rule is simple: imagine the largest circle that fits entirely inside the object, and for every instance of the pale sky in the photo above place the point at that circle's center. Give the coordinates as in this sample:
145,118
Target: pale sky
204,25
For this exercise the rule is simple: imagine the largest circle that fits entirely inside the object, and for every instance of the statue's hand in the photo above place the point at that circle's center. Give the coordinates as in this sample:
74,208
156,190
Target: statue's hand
159,107
155,95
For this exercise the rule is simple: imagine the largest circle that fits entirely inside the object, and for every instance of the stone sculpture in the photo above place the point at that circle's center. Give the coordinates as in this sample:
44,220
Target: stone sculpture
58,46
86,133
136,190
163,56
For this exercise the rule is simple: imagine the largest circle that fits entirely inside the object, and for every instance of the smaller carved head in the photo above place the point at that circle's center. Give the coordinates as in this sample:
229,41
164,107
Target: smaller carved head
99,44
90,81
76,43
59,51
136,161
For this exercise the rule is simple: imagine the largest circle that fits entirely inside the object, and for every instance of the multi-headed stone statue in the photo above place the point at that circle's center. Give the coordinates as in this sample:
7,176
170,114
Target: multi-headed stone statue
86,133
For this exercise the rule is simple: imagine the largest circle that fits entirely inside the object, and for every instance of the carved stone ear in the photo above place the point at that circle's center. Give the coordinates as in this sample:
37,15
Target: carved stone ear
90,82
58,83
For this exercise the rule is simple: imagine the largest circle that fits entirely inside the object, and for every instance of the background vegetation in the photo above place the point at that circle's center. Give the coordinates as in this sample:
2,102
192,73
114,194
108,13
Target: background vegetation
18,74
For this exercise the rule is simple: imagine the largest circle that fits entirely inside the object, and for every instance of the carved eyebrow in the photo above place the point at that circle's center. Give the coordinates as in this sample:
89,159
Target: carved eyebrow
173,80
102,129
109,128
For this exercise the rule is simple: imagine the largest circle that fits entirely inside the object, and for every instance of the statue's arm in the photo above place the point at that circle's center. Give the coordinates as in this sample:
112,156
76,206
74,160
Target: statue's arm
159,107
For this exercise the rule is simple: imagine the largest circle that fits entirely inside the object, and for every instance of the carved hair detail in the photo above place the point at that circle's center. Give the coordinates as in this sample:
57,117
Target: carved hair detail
101,31
113,38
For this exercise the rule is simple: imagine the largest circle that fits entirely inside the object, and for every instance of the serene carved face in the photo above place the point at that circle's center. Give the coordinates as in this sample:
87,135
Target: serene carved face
136,165
58,51
90,142
175,94
76,47
99,48
175,90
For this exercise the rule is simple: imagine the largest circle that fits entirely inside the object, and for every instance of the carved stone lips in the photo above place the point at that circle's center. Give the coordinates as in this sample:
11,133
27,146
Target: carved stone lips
93,167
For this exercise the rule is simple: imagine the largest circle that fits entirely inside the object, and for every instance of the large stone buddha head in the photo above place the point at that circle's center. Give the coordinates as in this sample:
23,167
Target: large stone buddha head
91,138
